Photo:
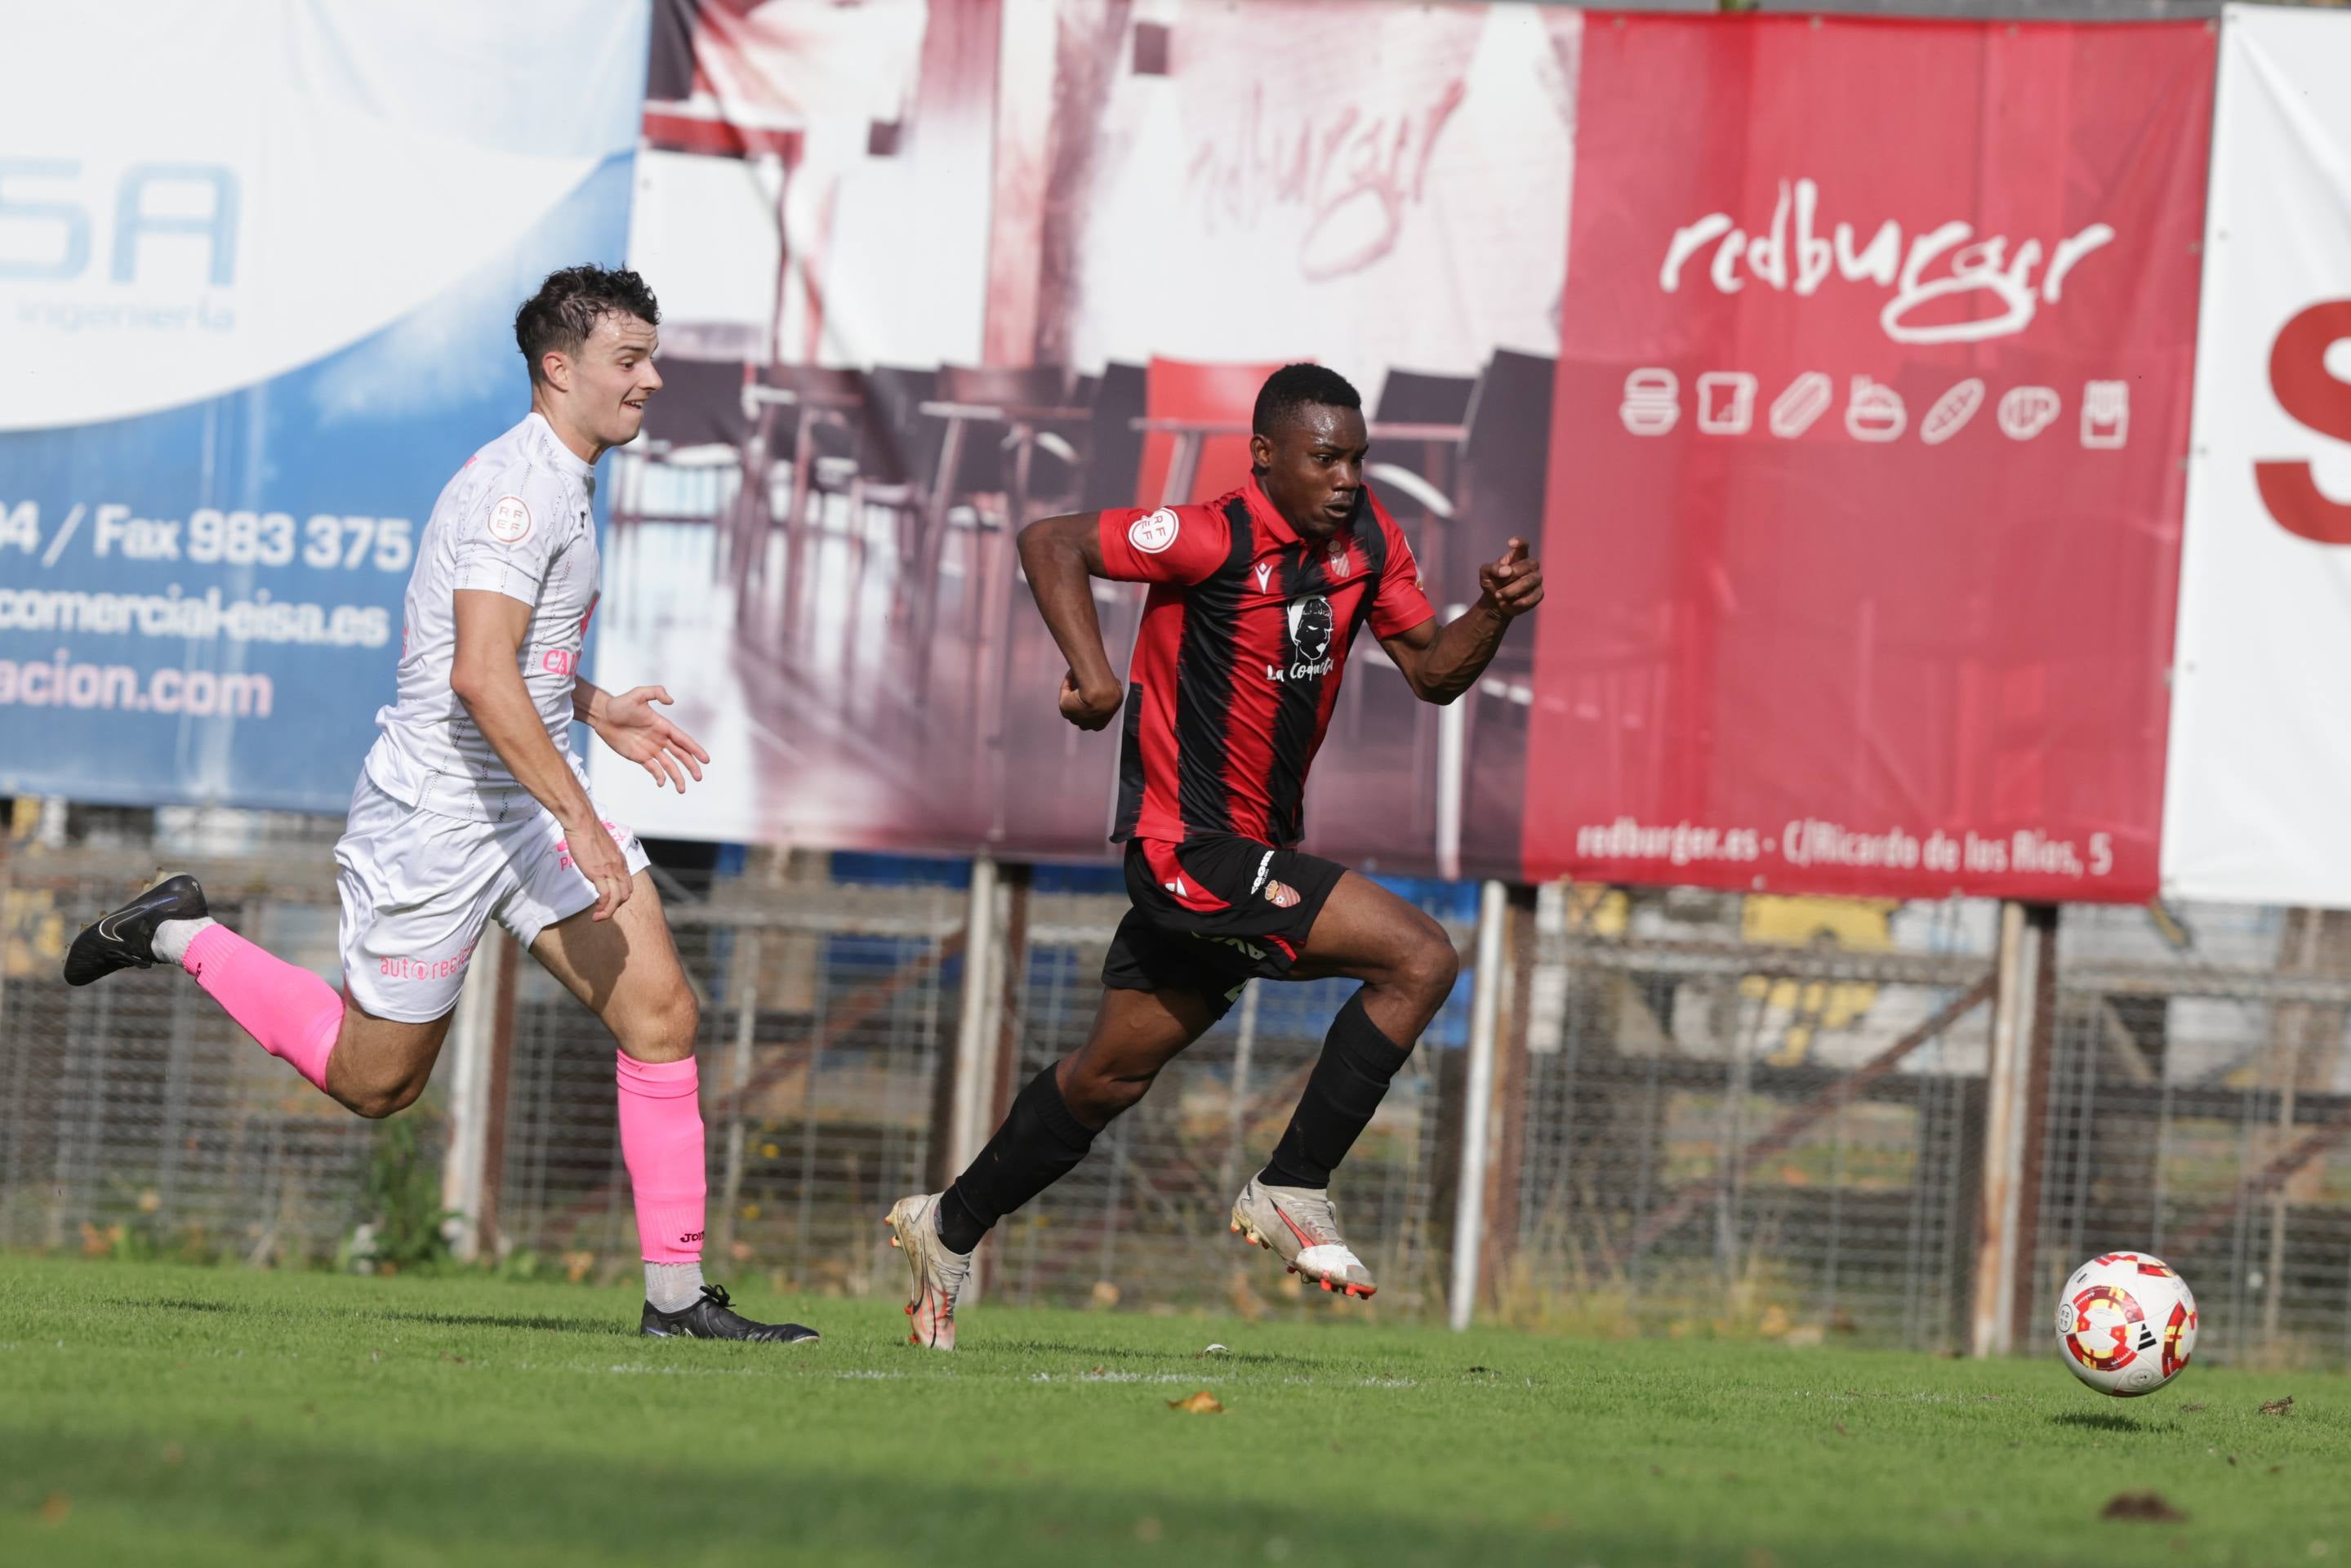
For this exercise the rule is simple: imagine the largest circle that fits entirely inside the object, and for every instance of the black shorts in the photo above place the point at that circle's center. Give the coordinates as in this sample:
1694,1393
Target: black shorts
1213,913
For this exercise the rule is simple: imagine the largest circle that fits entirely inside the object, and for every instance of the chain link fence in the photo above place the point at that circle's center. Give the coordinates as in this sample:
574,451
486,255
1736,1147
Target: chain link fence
1713,1113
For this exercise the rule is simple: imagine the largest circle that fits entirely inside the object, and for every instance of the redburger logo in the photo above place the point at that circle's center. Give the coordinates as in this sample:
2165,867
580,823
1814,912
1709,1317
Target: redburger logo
1797,252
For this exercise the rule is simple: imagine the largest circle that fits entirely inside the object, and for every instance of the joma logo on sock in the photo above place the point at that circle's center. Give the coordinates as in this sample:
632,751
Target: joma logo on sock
691,1236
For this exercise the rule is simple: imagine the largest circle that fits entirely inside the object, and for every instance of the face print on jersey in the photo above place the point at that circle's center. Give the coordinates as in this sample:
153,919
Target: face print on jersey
1310,628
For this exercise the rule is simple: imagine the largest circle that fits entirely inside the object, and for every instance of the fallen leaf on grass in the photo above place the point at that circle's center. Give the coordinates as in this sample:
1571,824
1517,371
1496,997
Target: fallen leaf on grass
55,1507
1201,1404
1841,1431
2279,1407
2142,1505
2189,1408
458,1359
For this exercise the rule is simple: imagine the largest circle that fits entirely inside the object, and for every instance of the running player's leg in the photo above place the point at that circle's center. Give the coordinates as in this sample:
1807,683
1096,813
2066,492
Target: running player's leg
374,1065
1054,1120
1052,1126
1407,966
626,970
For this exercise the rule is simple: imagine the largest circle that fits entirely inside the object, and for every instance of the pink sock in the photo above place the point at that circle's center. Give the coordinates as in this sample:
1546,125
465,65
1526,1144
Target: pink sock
661,1142
293,1013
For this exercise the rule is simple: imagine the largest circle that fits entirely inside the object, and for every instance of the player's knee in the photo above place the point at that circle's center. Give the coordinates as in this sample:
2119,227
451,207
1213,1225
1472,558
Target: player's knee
1430,966
664,1030
377,1100
1096,1099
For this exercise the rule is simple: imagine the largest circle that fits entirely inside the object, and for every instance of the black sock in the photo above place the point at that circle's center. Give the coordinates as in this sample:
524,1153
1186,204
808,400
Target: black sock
1040,1142
1347,1084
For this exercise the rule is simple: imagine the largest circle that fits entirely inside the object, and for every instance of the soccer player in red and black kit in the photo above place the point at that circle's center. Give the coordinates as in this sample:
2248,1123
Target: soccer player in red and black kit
1255,601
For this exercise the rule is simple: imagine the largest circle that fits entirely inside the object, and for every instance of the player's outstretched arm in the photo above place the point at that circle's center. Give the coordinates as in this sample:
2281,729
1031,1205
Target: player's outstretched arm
1442,664
626,722
486,675
1059,555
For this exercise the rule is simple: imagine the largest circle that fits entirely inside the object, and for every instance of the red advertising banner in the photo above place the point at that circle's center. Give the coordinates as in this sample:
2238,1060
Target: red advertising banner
1867,464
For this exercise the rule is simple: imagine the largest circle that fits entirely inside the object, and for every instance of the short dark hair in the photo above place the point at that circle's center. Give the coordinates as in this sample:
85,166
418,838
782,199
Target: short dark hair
565,311
1294,387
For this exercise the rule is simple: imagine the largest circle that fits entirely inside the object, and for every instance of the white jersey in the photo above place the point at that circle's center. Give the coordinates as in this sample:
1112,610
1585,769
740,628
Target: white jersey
515,520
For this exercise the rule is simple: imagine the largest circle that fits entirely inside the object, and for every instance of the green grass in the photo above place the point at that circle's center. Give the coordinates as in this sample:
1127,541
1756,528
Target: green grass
152,1413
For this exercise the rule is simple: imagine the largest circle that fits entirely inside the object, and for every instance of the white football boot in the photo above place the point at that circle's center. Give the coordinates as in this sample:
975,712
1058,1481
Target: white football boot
939,1274
1300,1226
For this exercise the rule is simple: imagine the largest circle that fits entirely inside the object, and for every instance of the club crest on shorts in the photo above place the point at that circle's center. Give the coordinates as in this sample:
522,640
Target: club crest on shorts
1280,895
509,519
1154,532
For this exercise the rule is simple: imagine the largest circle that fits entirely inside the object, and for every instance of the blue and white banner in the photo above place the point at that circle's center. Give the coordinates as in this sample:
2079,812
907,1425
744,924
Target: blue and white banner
256,299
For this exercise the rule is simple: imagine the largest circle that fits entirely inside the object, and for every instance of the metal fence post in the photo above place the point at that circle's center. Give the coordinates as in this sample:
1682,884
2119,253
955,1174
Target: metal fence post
1452,771
2025,1305
472,1043
1478,1105
488,1240
2011,1121
735,1100
977,1034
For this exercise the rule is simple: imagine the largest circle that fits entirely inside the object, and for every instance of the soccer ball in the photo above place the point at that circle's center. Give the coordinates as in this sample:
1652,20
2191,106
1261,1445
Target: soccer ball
2126,1323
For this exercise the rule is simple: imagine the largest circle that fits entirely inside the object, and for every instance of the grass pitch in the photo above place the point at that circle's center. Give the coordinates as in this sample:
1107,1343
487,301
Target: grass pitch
152,1413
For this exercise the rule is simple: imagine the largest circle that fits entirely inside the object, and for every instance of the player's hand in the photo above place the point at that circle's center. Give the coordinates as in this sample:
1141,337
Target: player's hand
632,728
595,856
1512,585
1089,709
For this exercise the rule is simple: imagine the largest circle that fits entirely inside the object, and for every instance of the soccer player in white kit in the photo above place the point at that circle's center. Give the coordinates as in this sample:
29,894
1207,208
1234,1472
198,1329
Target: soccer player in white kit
470,808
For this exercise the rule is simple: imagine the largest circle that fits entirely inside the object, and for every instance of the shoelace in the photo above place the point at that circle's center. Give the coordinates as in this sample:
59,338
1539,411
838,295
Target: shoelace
717,1296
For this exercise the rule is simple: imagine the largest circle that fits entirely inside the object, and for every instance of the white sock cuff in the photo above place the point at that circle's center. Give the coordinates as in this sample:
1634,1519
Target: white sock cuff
173,936
672,1287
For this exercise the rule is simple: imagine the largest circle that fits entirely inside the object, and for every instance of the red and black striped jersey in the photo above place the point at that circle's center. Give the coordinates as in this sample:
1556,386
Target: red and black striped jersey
1243,644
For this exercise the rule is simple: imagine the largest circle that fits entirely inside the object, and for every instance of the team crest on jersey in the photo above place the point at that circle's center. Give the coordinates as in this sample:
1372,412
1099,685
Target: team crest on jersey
509,519
1154,532
1280,895
1340,562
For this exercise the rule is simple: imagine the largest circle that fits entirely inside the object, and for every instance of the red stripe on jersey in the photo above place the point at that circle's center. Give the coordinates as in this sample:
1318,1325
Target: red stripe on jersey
1150,760
1261,645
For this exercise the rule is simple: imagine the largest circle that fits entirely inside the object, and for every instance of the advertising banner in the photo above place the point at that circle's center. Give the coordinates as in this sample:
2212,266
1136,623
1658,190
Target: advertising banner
257,298
2260,762
1865,476
935,271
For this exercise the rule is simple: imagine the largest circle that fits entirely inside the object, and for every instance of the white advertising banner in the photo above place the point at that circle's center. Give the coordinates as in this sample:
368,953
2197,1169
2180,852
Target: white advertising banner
2258,804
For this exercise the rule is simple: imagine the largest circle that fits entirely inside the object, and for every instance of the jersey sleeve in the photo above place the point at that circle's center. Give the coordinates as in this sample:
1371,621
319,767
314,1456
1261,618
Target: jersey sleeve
1165,544
509,532
1401,600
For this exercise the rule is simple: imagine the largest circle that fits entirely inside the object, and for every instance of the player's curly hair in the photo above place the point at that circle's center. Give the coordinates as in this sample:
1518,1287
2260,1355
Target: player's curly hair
565,311
1294,387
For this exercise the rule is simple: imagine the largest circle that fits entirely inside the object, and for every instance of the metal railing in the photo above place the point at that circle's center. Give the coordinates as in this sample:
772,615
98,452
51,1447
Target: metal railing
1642,1112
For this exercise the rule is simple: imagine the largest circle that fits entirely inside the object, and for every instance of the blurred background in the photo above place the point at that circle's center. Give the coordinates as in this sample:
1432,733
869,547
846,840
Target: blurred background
1902,857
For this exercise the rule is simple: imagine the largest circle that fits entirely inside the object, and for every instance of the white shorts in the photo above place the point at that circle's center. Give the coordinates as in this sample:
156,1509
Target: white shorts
418,887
